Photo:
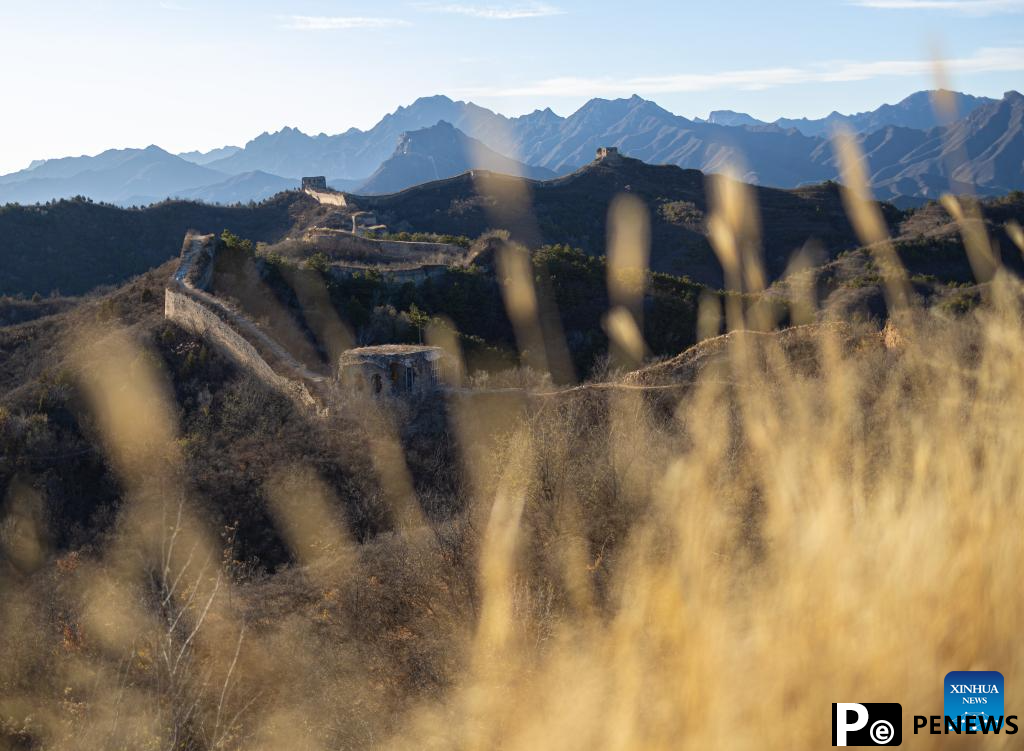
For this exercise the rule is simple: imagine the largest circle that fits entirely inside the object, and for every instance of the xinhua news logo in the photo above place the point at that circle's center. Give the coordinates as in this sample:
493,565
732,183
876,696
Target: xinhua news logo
974,696
974,705
867,724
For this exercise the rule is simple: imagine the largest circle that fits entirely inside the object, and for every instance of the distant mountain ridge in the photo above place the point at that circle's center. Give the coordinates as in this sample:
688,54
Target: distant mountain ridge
205,157
249,186
438,152
355,153
907,151
916,111
983,151
125,176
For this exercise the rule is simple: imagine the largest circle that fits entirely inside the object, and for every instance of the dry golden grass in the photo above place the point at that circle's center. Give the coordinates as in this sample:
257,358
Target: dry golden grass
710,576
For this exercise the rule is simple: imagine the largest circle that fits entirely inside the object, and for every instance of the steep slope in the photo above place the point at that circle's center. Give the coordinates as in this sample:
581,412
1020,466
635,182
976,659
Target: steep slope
125,177
983,153
992,137
438,152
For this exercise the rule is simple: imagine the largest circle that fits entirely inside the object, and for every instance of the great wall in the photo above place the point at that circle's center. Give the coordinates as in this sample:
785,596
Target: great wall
188,303
191,302
400,370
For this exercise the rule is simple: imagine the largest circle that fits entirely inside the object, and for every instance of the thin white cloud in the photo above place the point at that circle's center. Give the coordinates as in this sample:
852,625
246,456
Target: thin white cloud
333,23
972,7
496,12
988,60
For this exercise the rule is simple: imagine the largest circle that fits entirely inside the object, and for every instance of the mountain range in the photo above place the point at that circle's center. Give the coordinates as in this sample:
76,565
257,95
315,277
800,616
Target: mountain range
438,152
911,156
122,176
916,111
205,157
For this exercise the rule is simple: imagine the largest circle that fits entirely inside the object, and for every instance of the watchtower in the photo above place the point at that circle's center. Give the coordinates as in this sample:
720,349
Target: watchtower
391,369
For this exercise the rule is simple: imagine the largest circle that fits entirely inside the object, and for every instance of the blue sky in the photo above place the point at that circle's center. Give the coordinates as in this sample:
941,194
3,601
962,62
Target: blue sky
79,77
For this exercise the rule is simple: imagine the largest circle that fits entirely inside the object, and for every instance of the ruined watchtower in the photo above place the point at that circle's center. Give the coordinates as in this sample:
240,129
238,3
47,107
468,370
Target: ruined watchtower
391,369
607,152
314,183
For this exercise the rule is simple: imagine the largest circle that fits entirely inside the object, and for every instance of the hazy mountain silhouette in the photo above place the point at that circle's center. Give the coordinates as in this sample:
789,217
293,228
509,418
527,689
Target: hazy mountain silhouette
249,186
643,130
916,111
354,153
205,157
730,118
116,176
983,152
907,151
54,169
438,152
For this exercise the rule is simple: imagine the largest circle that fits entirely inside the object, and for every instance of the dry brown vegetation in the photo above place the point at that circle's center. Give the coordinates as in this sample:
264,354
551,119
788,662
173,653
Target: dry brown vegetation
704,555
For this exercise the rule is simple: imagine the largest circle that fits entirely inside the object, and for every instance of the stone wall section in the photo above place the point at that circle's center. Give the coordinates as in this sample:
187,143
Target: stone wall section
188,304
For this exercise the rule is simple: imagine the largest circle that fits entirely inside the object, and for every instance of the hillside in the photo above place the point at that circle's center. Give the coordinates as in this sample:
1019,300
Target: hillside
231,421
75,245
573,210
60,450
